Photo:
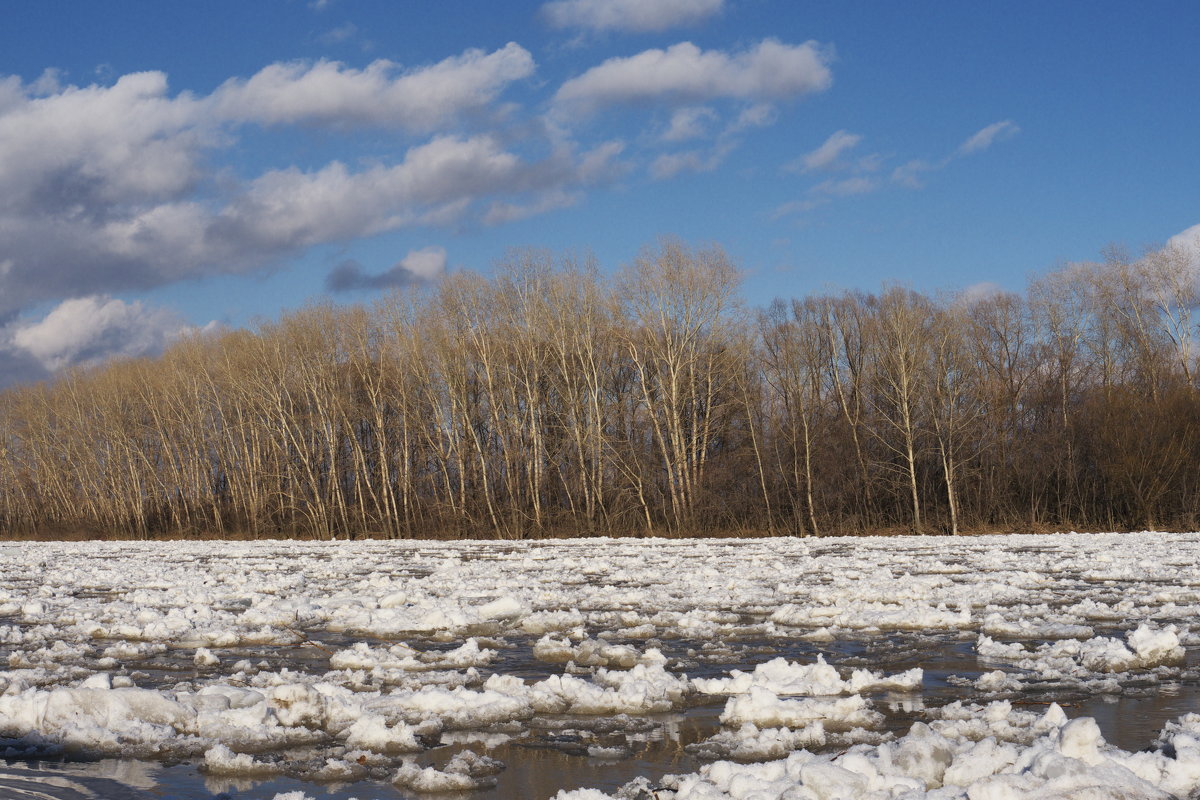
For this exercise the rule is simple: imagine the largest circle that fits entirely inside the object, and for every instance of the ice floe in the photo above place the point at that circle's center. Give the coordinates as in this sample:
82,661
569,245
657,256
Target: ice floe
1060,758
788,678
356,661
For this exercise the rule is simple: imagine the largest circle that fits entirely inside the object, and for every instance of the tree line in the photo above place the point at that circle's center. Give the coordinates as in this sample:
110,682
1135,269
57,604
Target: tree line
551,399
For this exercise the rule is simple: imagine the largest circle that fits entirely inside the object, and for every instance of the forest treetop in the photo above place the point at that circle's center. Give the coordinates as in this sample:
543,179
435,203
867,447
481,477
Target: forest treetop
550,399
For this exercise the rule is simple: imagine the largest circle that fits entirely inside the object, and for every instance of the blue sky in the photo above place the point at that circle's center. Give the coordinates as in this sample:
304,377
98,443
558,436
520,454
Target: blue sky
172,165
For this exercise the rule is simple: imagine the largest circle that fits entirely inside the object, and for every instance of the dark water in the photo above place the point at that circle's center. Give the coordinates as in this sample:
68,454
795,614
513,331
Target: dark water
549,754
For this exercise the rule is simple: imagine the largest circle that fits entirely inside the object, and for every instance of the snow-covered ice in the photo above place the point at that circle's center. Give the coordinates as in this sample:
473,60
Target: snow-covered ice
1002,755
819,668
818,678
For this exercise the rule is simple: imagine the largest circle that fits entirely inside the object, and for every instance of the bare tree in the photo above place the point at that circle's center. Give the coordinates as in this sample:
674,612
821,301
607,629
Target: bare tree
678,300
545,399
902,337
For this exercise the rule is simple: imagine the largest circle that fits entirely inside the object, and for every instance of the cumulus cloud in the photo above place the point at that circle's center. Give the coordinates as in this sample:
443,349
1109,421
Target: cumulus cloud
635,16
1187,241
48,83
110,188
683,73
690,122
296,208
985,138
1183,250
419,266
96,146
293,208
87,330
826,156
383,93
78,164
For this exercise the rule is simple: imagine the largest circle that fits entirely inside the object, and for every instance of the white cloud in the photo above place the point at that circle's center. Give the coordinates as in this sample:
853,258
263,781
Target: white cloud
671,164
976,292
637,16
909,174
99,145
300,208
690,122
48,83
683,73
110,188
291,208
78,163
862,181
869,163
89,330
826,156
501,212
600,164
825,192
13,93
1183,250
1187,241
342,33
330,93
983,139
759,115
425,264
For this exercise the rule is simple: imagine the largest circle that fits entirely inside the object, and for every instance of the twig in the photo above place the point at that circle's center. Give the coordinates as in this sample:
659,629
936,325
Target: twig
308,641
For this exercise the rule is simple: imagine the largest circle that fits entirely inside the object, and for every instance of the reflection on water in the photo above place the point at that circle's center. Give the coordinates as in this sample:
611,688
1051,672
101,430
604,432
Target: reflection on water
103,780
1133,723
549,754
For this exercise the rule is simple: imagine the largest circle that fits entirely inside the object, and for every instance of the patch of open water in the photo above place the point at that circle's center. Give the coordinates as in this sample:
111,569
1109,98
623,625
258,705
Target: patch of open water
549,754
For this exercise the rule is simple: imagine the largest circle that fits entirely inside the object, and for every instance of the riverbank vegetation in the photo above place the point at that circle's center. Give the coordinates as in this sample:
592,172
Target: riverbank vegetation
551,399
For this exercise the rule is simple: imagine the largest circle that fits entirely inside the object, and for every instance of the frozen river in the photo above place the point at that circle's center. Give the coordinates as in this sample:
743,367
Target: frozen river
988,667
